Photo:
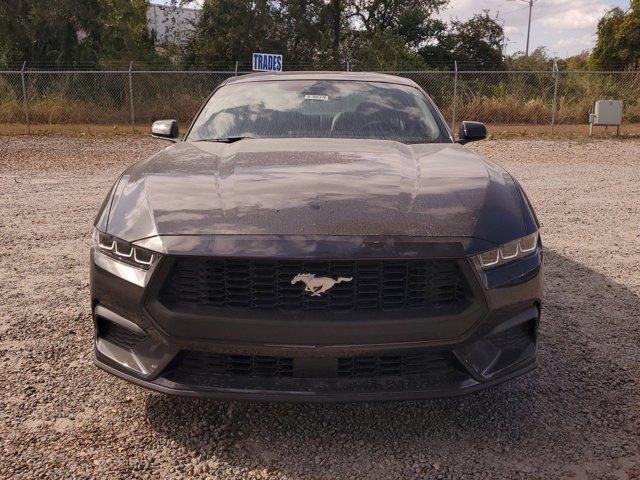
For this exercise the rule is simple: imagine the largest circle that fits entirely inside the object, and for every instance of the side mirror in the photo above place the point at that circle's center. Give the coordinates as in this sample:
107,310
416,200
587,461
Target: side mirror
165,129
471,131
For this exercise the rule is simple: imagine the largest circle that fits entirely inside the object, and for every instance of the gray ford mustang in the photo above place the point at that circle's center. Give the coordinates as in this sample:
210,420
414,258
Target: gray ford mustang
316,237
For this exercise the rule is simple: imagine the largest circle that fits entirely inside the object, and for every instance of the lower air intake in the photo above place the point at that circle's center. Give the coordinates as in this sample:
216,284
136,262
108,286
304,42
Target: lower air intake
394,365
120,336
190,364
196,363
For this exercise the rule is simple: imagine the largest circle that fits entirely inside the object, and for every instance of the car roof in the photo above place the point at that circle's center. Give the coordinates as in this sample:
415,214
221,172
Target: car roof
353,76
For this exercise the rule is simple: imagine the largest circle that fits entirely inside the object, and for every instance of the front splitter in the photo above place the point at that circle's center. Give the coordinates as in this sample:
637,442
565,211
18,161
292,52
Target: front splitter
468,386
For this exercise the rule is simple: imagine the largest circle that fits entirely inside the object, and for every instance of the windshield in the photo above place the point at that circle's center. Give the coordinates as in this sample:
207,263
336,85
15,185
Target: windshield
319,109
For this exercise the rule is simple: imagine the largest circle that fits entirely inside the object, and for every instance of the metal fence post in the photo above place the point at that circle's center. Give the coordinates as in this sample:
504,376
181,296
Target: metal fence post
133,119
556,74
24,97
455,95
236,68
347,65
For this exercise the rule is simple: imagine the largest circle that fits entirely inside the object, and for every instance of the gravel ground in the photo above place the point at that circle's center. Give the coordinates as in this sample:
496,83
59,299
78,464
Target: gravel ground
575,417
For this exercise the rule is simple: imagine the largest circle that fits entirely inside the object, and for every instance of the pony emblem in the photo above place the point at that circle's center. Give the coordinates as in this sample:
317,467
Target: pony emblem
317,286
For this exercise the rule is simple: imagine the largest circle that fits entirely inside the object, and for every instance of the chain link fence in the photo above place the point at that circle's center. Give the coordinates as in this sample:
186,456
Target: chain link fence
136,98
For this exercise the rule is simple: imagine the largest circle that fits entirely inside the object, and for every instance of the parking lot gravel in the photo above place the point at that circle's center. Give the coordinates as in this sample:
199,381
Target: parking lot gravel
577,416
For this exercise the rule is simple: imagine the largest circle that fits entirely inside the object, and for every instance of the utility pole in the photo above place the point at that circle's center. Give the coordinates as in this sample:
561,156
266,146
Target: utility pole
505,44
530,2
556,75
526,52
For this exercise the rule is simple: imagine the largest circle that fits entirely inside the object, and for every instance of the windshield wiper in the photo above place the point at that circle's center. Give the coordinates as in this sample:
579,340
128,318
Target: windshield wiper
224,139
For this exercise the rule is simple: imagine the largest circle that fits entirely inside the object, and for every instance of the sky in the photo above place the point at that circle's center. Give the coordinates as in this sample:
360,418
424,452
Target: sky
565,27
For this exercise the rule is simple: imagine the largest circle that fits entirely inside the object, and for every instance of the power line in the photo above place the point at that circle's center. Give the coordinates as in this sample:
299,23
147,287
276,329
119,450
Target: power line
510,12
563,8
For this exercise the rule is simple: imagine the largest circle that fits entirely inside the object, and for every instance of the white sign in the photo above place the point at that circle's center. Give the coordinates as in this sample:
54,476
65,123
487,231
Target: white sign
267,62
324,98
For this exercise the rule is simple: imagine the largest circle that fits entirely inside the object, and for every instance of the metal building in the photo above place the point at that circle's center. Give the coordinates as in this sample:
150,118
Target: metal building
171,24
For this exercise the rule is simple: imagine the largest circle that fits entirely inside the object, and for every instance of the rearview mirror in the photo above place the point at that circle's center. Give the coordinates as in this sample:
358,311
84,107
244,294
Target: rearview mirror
471,131
166,129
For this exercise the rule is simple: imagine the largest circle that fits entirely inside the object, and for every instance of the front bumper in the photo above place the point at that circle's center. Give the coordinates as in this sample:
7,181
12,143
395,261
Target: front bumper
494,340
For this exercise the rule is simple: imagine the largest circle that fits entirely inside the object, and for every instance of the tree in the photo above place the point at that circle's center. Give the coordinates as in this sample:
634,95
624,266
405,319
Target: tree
381,34
230,30
436,50
123,33
335,14
383,51
380,15
388,34
476,42
537,60
618,42
66,31
416,29
575,62
304,32
47,31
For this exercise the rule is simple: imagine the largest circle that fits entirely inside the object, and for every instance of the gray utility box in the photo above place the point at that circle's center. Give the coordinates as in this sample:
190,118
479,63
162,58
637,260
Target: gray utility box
606,113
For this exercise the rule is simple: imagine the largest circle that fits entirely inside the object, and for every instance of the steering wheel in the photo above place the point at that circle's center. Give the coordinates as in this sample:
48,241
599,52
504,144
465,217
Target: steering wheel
335,119
380,125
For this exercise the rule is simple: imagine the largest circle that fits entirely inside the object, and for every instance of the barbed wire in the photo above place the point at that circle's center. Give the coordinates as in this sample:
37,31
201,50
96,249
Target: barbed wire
223,65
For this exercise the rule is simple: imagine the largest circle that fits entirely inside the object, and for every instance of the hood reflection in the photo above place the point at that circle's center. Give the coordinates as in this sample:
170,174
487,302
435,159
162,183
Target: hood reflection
312,187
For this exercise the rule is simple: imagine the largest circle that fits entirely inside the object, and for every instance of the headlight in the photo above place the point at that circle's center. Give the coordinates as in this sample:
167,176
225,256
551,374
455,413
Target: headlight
123,251
508,252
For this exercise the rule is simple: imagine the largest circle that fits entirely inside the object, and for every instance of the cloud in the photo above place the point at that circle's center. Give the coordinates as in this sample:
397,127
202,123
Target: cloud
565,27
584,41
584,17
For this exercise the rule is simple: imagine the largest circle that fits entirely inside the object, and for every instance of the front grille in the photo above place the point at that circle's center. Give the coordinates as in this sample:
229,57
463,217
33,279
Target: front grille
190,364
120,336
266,284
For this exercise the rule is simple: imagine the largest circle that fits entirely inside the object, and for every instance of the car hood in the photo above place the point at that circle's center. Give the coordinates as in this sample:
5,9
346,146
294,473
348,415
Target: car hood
316,187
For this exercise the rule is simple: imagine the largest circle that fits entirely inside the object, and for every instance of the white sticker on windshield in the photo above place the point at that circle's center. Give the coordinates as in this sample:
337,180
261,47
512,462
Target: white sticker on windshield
324,98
